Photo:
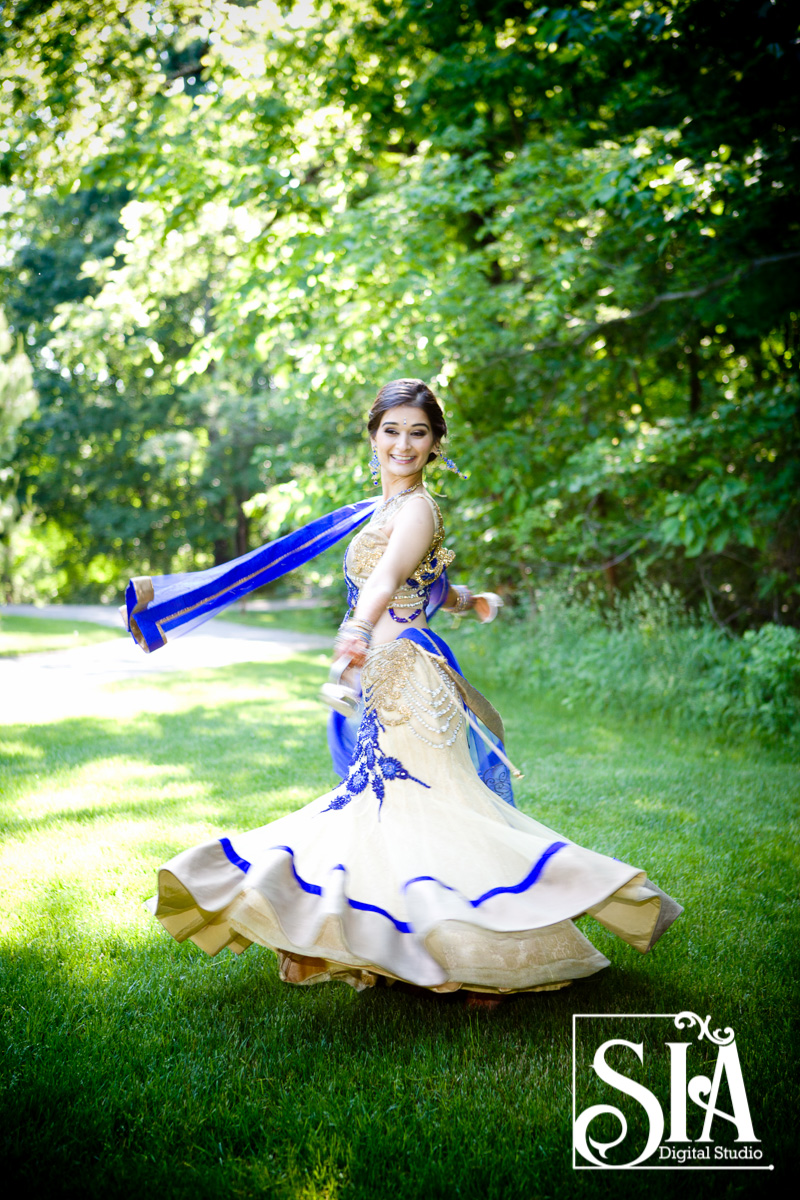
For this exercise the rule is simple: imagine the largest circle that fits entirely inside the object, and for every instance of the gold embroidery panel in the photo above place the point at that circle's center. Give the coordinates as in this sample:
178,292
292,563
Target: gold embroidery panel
405,686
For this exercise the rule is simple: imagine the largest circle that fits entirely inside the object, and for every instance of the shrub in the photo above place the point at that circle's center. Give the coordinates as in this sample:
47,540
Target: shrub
644,655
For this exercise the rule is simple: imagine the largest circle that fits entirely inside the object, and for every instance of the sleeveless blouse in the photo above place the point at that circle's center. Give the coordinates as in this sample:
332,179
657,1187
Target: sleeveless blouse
369,545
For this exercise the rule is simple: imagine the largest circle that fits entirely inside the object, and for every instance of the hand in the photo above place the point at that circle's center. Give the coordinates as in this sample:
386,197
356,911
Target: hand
486,605
354,648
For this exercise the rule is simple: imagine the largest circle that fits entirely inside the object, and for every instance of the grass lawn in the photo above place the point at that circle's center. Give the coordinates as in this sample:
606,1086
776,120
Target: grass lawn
324,621
135,1067
22,635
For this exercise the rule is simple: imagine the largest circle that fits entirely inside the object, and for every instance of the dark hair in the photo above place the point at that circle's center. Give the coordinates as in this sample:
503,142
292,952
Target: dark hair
415,394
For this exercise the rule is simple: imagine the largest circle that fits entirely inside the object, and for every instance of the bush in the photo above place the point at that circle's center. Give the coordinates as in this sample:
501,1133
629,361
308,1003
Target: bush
645,655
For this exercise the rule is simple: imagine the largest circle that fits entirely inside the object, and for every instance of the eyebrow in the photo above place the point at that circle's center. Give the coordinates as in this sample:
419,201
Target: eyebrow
414,424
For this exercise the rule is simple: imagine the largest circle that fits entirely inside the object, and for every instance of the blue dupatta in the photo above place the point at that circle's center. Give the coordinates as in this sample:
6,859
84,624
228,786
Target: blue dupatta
173,605
164,607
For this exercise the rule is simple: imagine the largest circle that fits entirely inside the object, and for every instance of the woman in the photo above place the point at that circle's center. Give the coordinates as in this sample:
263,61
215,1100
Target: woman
416,867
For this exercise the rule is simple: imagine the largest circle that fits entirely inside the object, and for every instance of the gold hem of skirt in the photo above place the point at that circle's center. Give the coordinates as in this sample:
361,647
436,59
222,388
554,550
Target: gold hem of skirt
301,970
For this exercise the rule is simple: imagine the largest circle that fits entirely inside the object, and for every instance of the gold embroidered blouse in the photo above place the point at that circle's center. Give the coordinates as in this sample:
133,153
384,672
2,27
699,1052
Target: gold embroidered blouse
369,545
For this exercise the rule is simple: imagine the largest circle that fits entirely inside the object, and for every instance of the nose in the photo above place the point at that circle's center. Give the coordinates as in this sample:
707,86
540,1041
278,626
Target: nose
404,440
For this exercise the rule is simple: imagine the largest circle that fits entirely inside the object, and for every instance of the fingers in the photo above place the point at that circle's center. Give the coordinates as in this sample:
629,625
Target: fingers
352,648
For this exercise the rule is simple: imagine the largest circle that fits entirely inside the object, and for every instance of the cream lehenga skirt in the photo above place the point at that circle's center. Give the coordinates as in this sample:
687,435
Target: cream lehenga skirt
412,868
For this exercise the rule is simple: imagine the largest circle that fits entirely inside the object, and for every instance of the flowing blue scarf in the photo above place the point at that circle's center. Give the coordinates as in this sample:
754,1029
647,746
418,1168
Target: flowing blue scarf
167,606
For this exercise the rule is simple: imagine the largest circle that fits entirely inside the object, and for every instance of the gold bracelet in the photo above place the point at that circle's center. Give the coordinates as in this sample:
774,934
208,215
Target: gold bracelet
463,601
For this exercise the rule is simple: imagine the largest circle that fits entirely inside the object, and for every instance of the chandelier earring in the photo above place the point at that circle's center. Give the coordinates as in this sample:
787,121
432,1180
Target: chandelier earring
449,465
375,467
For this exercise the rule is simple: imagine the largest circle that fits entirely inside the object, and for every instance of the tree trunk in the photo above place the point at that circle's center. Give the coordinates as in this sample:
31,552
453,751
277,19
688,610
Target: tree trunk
695,394
242,530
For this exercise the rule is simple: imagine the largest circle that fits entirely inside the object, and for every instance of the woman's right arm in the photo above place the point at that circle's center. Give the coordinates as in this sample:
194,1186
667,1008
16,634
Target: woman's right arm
408,544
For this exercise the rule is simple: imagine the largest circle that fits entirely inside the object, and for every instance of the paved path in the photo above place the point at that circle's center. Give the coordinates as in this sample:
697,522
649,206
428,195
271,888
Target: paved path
47,685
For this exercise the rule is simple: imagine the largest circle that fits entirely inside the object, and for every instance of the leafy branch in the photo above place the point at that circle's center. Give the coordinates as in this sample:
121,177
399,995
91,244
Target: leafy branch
665,298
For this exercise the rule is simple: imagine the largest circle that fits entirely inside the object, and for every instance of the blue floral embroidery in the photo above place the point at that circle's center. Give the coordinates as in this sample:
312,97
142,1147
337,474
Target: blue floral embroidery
370,766
352,590
498,779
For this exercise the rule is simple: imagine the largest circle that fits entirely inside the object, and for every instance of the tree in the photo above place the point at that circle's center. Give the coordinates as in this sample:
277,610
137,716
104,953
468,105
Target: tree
17,402
580,221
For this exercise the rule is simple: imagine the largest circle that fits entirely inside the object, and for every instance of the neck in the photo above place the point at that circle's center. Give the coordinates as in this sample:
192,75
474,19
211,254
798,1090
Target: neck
393,487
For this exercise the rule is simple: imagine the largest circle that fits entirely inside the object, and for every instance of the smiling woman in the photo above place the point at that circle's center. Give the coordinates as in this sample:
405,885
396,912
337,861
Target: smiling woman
417,867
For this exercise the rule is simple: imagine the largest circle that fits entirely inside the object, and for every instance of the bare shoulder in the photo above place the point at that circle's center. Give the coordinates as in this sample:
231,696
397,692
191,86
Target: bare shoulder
416,515
414,525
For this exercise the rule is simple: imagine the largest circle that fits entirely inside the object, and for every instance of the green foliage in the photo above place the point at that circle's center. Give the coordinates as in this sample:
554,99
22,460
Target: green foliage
579,221
17,397
17,403
38,561
701,485
761,675
648,658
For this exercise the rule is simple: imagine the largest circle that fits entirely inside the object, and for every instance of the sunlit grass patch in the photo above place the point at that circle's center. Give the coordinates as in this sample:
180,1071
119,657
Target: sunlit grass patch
10,749
23,635
324,620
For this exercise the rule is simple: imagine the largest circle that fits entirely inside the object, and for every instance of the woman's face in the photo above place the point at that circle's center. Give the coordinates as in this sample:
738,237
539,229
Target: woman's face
403,441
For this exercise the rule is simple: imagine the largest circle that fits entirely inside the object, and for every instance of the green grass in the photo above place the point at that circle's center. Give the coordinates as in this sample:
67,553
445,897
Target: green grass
23,635
135,1067
323,620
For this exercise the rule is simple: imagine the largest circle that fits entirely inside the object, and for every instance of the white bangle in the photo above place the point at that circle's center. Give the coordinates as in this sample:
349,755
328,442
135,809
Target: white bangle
494,603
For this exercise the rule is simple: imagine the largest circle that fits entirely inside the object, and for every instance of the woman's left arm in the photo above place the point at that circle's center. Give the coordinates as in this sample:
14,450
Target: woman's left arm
461,600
